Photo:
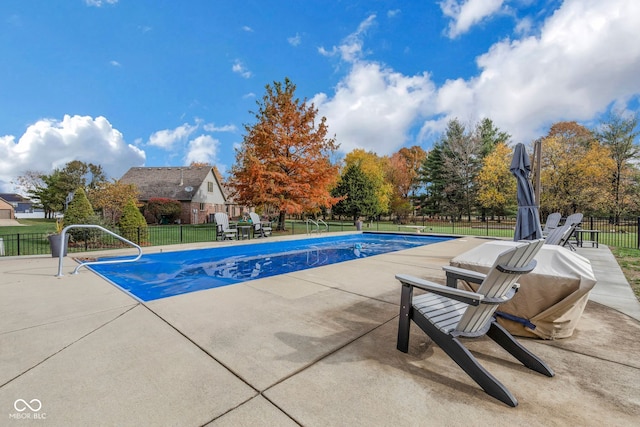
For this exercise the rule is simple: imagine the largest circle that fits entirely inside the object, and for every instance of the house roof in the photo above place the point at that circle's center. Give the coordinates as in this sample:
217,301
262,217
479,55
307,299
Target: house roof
13,198
169,182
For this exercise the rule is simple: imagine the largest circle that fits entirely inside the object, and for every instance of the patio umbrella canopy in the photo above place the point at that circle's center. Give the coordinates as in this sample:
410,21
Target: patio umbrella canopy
528,220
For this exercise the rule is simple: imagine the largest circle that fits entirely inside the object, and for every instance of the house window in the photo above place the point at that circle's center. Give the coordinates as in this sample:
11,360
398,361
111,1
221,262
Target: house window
201,206
210,187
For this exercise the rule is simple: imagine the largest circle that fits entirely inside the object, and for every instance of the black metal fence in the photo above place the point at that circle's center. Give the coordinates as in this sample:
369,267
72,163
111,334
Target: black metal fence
624,234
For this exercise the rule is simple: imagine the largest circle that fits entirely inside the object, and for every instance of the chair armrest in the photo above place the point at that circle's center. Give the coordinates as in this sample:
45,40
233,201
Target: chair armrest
455,273
471,298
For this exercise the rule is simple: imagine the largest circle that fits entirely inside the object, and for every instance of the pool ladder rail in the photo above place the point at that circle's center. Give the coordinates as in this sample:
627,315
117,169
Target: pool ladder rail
315,226
86,263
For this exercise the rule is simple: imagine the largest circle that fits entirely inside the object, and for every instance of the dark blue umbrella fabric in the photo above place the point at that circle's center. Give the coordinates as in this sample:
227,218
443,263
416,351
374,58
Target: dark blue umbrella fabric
528,220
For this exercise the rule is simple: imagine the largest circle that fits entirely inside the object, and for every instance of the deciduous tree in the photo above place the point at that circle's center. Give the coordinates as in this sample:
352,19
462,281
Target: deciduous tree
284,161
496,184
110,199
618,133
576,171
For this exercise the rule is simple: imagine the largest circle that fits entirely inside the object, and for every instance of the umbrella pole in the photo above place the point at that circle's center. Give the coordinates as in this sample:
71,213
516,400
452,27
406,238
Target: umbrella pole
537,160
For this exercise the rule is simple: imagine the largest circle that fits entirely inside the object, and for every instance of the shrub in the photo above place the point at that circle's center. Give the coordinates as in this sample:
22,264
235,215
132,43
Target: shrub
160,210
131,221
79,211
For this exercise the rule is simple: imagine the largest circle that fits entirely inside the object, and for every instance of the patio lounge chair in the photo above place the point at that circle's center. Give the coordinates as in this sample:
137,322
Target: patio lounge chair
223,227
261,228
560,236
446,314
553,221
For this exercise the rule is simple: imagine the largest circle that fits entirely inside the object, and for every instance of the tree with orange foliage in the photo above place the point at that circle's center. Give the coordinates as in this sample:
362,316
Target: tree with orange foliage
284,162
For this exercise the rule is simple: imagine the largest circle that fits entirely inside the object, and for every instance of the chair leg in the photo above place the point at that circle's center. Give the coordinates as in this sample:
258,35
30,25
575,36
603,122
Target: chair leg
501,336
404,320
463,357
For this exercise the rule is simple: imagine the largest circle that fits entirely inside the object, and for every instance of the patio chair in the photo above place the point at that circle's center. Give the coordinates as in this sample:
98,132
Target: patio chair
553,221
446,314
560,236
261,228
223,227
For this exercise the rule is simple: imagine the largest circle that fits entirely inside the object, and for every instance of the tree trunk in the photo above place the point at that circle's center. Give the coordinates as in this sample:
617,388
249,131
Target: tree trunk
281,221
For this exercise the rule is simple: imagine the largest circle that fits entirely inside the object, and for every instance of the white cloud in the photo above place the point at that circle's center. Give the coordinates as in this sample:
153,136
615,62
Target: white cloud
99,3
168,137
239,68
375,107
585,58
115,63
203,149
295,40
247,29
210,127
393,13
465,14
351,48
49,144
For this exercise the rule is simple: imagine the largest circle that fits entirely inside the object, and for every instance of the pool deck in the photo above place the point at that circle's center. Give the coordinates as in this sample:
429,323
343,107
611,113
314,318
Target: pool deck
313,348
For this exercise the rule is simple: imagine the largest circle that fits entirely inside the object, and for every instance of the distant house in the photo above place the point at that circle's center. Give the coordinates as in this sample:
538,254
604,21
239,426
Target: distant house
196,188
6,210
20,204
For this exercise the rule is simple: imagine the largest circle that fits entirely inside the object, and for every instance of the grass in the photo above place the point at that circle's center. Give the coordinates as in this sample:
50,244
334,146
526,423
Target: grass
629,261
31,226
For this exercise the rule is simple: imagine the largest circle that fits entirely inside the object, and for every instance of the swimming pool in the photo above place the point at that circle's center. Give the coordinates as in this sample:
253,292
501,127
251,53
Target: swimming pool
167,274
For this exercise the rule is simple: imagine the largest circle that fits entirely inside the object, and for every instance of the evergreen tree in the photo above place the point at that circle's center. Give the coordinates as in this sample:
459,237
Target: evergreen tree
432,176
358,194
79,212
461,163
132,224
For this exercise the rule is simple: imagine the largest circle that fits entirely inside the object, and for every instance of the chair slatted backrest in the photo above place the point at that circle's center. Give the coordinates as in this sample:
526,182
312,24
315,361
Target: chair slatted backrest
222,220
497,283
553,220
559,235
256,220
574,219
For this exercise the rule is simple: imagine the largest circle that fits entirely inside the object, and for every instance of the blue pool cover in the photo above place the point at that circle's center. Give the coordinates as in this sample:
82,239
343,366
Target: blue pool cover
167,274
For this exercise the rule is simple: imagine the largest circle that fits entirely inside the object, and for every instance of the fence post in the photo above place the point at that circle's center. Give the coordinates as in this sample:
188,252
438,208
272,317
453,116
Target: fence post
18,240
638,234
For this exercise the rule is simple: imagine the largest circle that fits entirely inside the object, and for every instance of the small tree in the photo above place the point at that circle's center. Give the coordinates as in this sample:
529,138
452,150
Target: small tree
79,212
132,222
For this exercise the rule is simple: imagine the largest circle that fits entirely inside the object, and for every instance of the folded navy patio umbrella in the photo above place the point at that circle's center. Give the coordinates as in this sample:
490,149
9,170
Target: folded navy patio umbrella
528,220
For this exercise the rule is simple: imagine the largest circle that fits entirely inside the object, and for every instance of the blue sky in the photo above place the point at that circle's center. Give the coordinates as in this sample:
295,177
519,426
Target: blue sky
126,83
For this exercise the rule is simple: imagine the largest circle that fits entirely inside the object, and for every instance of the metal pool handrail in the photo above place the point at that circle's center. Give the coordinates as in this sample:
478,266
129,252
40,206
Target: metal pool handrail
317,224
117,236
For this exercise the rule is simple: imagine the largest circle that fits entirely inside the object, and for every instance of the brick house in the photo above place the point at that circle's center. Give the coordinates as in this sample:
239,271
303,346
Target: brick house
196,188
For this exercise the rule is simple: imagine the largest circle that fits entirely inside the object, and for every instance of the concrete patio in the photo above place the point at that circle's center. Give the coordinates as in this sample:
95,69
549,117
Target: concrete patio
313,348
